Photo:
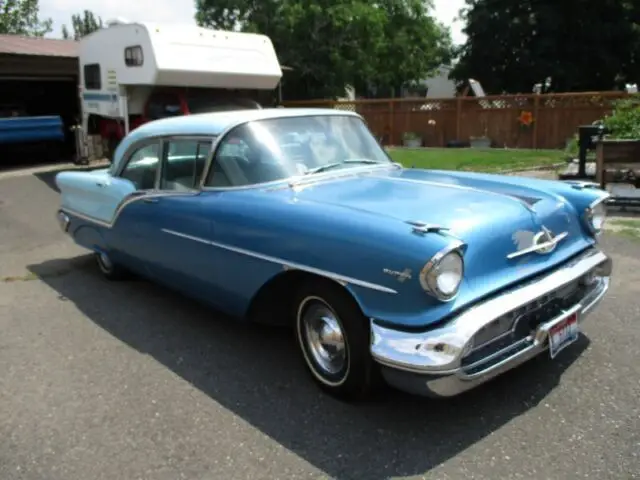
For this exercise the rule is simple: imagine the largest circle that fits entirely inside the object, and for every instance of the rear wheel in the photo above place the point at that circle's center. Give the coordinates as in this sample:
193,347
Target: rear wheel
108,268
334,337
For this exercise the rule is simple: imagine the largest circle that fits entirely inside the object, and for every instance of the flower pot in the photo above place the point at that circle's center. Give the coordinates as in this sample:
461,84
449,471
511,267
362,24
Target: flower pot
480,142
412,142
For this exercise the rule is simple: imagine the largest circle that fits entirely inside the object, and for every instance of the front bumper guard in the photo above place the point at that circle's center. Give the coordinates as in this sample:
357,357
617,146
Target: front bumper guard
430,363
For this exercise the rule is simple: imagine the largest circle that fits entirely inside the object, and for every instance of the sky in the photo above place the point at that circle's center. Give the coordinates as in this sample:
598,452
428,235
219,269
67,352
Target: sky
182,11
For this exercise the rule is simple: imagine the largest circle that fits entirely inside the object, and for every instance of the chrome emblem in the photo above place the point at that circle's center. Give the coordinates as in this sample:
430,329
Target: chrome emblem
543,242
400,276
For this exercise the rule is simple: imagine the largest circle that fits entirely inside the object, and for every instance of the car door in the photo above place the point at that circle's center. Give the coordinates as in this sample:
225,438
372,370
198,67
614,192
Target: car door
176,216
135,185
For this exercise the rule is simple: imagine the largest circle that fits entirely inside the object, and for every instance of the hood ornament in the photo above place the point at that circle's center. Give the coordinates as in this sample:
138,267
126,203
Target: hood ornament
543,242
422,227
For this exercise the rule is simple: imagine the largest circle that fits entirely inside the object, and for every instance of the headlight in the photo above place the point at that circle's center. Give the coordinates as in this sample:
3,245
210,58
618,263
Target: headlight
443,274
595,216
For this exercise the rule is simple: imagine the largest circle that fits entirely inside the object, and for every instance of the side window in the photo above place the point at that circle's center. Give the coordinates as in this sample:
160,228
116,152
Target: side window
92,79
183,164
231,161
142,167
241,159
133,56
163,105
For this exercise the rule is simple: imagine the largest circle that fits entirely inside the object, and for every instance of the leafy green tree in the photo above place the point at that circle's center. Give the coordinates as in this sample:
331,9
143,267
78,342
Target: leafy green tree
582,45
20,17
334,43
82,25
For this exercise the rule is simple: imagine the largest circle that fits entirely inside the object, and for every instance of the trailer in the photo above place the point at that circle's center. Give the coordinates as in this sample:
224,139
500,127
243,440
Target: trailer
132,73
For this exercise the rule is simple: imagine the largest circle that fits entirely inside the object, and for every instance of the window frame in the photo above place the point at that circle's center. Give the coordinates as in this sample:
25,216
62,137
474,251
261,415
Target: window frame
98,85
131,49
135,148
166,143
162,141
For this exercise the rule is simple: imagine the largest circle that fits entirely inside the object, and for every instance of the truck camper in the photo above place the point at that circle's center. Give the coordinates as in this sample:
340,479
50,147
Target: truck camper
132,73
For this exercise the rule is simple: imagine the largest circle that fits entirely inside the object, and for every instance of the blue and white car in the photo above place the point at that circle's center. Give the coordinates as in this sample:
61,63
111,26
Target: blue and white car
433,281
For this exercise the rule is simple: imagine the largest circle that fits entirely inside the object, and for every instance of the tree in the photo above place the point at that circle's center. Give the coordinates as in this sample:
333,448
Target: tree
581,44
334,43
82,25
20,17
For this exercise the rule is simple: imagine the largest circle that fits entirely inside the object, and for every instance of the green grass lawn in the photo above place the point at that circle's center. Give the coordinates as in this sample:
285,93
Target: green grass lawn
626,227
473,159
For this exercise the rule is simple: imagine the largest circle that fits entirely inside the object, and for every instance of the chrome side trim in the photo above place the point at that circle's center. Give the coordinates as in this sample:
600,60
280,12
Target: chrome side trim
133,197
464,187
86,218
551,245
440,351
287,265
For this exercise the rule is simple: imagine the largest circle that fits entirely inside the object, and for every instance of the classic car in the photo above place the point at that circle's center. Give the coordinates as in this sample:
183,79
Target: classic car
432,282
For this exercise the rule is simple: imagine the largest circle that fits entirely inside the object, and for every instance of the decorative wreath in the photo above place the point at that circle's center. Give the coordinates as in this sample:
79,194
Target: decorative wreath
525,119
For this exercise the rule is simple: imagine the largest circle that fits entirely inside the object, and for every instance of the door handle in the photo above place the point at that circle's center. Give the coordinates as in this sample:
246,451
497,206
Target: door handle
101,184
150,200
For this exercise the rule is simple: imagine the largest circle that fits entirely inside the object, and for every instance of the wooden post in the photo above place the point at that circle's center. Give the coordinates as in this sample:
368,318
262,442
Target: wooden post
391,115
600,164
458,117
536,110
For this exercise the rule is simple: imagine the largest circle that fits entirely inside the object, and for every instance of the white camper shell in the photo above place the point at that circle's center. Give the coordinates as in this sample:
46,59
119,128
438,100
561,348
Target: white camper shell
120,65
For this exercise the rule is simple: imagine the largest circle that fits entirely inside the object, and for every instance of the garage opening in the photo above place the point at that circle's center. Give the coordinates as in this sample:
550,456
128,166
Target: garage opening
33,97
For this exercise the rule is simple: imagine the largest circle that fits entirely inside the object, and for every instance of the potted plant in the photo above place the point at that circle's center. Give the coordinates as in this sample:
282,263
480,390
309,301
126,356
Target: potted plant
481,142
411,139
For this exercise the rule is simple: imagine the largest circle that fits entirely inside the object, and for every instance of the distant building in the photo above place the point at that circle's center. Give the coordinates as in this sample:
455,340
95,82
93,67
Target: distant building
437,86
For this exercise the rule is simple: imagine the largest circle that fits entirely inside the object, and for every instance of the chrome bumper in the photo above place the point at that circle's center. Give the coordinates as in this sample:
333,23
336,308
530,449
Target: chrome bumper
432,363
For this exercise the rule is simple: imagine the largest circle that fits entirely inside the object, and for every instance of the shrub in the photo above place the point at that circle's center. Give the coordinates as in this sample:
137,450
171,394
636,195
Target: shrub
624,121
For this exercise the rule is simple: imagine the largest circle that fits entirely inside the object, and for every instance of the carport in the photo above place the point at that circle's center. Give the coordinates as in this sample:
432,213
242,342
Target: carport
40,76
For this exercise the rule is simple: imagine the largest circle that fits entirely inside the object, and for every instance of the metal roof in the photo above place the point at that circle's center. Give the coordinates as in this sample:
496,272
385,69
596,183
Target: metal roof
48,47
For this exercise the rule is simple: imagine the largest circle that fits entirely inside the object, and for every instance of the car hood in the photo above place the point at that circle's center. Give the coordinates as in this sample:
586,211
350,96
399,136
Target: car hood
494,218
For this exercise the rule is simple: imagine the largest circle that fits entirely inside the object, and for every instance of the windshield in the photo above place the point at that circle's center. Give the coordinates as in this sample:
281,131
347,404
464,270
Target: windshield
280,148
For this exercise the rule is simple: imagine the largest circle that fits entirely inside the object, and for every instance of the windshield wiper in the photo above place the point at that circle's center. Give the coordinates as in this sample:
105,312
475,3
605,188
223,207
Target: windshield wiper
329,166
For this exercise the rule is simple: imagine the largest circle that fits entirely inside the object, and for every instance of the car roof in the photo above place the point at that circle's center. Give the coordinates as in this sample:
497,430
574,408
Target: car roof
215,123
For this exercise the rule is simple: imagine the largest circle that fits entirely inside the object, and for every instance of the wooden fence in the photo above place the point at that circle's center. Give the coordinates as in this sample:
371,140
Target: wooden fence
439,121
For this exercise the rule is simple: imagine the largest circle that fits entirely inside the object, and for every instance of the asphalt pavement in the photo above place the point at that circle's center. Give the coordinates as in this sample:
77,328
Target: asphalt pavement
102,380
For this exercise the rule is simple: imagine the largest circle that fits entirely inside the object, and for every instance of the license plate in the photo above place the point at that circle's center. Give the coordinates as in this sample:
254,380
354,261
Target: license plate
563,334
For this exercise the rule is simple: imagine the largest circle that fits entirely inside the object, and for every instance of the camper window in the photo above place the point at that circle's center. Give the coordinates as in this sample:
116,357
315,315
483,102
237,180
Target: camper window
92,76
133,56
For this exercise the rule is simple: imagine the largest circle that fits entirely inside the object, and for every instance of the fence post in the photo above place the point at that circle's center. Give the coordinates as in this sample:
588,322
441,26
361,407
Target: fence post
391,115
458,115
536,110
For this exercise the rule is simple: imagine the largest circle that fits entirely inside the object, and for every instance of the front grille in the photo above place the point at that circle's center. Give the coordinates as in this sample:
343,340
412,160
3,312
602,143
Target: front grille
528,318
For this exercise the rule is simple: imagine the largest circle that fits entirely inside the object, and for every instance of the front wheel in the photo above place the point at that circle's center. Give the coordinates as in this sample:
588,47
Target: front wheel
334,337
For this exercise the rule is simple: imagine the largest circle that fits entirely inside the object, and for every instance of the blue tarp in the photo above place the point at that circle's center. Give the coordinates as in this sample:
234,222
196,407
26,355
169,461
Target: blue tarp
31,129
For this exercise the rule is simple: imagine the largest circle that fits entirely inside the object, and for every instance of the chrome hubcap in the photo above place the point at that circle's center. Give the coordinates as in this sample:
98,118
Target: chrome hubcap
324,338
